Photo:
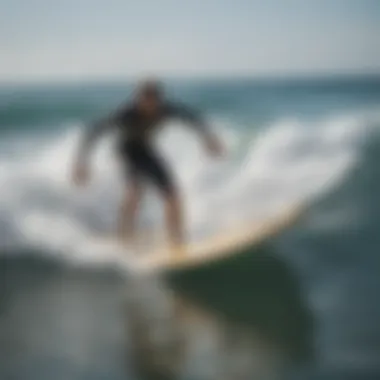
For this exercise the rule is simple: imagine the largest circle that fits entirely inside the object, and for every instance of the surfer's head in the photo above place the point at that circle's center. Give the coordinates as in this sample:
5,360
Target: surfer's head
149,95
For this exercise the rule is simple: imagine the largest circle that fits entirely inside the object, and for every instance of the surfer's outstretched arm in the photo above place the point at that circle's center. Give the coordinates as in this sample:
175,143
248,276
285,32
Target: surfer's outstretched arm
93,132
190,117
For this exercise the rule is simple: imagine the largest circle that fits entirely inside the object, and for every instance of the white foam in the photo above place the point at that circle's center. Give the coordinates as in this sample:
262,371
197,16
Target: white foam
282,165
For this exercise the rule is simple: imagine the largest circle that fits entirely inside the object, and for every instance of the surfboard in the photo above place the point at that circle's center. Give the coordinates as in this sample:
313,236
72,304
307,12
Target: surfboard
218,249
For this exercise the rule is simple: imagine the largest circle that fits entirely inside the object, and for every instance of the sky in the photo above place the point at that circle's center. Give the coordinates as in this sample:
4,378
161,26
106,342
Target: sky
78,39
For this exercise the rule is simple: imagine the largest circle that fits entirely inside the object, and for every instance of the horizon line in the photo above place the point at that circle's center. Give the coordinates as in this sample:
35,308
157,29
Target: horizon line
111,79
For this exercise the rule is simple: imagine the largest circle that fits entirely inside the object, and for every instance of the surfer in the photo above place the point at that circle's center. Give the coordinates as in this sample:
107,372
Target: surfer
136,122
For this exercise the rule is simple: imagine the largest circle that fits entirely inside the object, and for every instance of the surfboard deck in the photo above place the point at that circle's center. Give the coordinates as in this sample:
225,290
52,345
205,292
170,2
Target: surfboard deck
218,248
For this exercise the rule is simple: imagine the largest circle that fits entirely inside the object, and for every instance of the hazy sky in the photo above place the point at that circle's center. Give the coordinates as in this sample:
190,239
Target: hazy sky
42,39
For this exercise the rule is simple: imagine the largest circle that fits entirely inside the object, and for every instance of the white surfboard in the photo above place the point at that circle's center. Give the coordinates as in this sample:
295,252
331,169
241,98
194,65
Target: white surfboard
229,244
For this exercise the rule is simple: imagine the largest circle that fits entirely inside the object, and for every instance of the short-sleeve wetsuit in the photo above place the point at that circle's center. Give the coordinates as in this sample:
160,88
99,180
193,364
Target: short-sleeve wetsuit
134,145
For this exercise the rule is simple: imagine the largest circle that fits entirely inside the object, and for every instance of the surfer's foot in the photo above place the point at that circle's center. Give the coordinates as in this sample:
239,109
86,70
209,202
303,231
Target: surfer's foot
178,250
125,239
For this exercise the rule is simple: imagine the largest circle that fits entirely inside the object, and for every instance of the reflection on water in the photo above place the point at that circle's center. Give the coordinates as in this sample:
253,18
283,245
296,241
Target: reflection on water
231,320
240,321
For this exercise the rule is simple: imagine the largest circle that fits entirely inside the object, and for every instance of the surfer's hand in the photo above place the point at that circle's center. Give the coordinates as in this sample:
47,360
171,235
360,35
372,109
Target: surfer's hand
214,147
80,175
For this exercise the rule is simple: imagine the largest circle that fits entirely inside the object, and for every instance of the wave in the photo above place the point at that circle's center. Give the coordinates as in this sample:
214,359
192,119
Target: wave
287,163
25,115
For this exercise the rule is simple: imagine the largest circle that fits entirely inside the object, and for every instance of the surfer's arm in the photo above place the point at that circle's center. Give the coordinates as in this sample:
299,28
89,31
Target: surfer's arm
91,135
94,131
197,122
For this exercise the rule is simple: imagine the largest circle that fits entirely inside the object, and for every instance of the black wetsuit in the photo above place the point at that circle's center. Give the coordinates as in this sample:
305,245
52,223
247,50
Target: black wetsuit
136,130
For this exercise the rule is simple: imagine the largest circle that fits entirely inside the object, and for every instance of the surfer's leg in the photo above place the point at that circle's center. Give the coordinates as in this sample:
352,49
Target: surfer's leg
156,170
128,212
174,219
130,158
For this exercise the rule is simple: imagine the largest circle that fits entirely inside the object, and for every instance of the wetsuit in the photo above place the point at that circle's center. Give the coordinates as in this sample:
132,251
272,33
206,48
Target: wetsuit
134,146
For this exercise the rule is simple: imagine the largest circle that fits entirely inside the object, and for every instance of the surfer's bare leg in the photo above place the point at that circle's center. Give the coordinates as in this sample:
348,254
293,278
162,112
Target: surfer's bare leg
128,212
174,220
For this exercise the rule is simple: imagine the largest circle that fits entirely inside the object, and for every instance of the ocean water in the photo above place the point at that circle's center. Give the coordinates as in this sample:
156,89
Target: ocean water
289,141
